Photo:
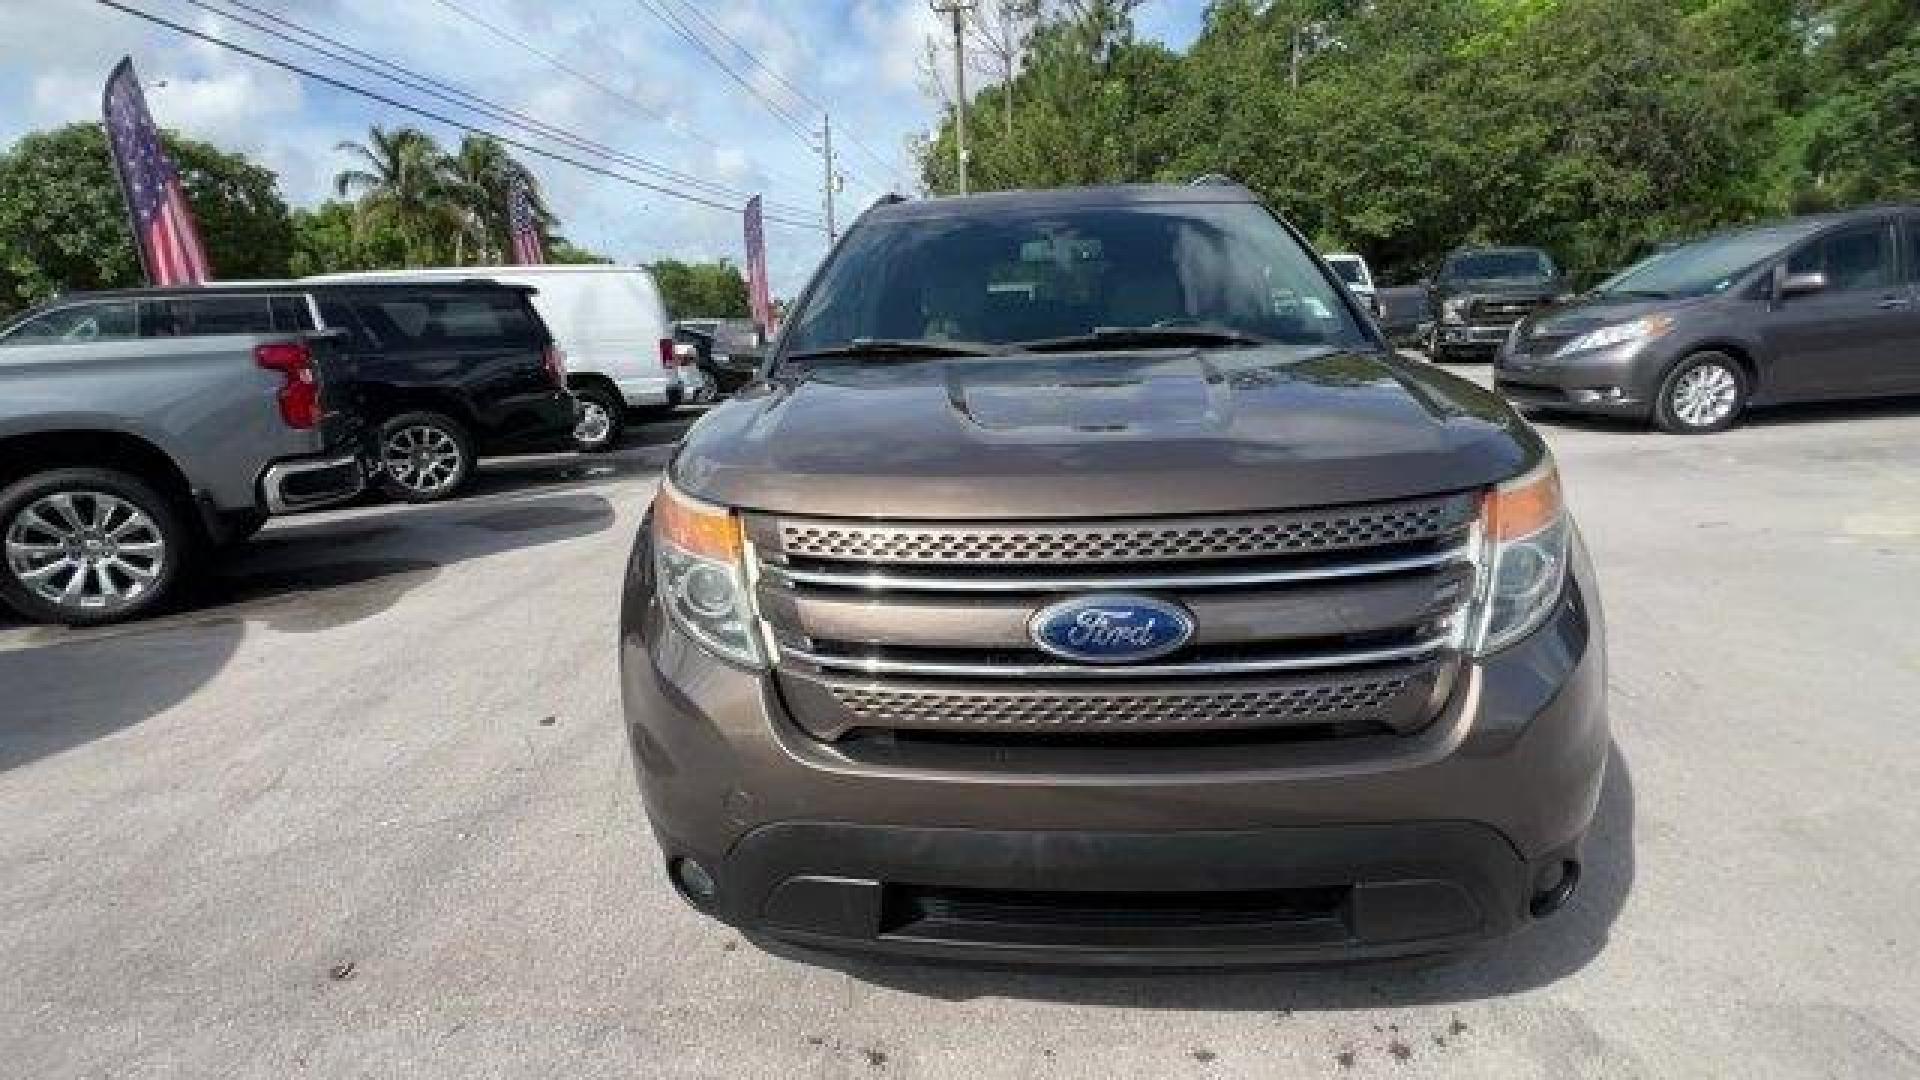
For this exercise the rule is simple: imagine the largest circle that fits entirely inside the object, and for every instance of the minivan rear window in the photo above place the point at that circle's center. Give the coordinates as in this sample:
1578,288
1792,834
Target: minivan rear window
450,321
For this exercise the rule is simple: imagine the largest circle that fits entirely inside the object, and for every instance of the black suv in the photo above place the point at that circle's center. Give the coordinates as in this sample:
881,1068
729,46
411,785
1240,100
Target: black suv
1818,307
1480,293
449,371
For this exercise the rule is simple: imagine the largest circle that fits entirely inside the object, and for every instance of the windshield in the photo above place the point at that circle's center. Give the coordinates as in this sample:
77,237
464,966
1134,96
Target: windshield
1030,276
1704,266
1519,265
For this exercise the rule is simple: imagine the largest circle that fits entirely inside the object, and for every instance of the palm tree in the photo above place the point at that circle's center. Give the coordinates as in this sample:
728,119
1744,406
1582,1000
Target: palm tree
399,180
479,181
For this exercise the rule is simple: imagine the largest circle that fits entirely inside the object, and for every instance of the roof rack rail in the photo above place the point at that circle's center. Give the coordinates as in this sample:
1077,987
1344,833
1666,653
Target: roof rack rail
1213,179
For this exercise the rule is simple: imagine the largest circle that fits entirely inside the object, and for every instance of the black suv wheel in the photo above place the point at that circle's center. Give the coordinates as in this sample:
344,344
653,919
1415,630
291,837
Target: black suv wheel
424,457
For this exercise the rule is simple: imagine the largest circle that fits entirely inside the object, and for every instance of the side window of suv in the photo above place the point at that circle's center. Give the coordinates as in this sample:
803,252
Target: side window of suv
466,320
1853,259
107,320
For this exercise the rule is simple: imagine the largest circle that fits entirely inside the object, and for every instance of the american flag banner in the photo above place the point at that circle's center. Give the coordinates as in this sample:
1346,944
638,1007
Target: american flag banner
757,292
163,225
523,226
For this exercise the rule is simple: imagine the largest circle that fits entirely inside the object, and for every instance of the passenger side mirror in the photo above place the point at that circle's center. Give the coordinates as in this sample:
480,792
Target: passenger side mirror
1799,284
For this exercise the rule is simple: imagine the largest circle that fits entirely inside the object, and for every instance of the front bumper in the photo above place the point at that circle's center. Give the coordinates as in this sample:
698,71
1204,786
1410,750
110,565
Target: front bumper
1463,340
1282,854
1612,382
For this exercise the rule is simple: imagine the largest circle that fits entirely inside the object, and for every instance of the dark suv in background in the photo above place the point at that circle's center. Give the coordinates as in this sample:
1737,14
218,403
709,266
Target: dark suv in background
1088,581
1479,293
447,371
1821,307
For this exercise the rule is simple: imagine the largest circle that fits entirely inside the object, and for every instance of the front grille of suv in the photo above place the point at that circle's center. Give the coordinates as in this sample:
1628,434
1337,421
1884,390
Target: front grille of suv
1337,622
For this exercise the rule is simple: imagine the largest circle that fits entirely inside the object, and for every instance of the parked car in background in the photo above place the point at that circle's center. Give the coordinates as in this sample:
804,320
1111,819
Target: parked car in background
1088,582
1402,312
140,429
1479,293
728,350
445,371
449,372
1821,307
1353,272
611,326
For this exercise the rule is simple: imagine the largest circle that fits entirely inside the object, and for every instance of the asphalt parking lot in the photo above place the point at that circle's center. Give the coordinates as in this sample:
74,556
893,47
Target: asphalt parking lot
363,808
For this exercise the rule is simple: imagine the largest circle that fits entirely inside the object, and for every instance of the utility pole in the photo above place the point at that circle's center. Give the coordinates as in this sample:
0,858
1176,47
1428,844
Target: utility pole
958,9
833,179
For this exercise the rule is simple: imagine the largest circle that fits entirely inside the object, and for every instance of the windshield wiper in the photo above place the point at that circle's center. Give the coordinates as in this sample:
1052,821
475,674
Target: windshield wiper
1145,337
897,348
1645,294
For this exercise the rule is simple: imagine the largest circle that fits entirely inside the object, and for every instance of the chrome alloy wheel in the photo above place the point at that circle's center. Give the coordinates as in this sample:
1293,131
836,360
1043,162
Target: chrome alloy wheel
422,458
85,550
593,425
1705,395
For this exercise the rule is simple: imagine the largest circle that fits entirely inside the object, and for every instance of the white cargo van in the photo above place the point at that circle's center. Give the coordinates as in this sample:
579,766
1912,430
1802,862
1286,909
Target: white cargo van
612,326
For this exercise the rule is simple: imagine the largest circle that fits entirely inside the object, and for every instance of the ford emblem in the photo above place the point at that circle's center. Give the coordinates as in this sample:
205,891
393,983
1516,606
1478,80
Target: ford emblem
1111,628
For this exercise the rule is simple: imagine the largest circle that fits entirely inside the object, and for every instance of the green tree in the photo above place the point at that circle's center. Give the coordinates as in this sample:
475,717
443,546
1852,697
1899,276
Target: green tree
479,179
332,238
63,222
1863,138
400,181
702,290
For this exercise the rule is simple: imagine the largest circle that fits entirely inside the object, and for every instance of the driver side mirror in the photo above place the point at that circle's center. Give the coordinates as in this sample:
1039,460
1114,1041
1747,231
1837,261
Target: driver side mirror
1786,285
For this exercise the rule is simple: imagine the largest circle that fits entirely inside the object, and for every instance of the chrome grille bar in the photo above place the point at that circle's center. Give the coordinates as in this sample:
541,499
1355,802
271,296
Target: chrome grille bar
882,581
878,665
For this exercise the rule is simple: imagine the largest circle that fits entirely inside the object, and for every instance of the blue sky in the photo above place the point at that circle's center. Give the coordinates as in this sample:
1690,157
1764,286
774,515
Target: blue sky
640,89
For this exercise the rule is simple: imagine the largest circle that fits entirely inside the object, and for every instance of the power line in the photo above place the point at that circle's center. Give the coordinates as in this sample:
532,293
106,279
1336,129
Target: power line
459,125
666,15
586,78
466,100
890,168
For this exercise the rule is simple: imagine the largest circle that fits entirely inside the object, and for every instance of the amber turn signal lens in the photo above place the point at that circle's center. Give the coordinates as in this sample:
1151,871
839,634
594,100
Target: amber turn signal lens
1522,507
695,528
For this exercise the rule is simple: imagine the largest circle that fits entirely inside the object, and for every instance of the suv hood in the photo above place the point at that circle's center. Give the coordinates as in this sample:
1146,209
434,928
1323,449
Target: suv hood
1054,436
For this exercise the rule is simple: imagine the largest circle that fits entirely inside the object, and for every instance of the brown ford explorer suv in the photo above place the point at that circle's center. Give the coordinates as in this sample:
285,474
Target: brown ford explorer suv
1086,581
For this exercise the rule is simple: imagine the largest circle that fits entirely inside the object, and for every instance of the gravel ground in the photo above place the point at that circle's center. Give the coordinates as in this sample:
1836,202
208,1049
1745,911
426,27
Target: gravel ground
363,809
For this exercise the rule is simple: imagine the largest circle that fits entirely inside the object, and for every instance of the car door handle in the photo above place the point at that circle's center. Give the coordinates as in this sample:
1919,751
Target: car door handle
1892,302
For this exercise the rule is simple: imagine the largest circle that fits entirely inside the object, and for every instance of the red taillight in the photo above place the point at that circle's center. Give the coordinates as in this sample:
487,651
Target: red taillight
300,396
556,362
668,358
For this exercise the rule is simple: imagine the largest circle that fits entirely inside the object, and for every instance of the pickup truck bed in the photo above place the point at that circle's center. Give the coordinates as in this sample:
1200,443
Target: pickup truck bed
221,431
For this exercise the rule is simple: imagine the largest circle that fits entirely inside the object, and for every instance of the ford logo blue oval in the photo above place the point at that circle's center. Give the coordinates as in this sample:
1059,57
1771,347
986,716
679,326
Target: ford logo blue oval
1111,628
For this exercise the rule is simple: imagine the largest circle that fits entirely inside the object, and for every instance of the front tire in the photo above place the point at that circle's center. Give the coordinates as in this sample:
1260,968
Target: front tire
424,457
86,547
603,415
1704,393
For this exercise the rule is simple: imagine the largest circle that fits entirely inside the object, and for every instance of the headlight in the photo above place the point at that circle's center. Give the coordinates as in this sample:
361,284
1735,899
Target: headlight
699,558
1645,329
1451,309
1524,537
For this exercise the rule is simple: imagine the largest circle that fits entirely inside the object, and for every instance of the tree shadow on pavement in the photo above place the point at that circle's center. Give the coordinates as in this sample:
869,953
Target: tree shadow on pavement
1544,954
62,687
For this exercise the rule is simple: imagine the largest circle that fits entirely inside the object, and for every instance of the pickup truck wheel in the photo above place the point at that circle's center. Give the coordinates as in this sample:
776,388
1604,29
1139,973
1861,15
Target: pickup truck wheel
1704,393
602,416
424,457
87,546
